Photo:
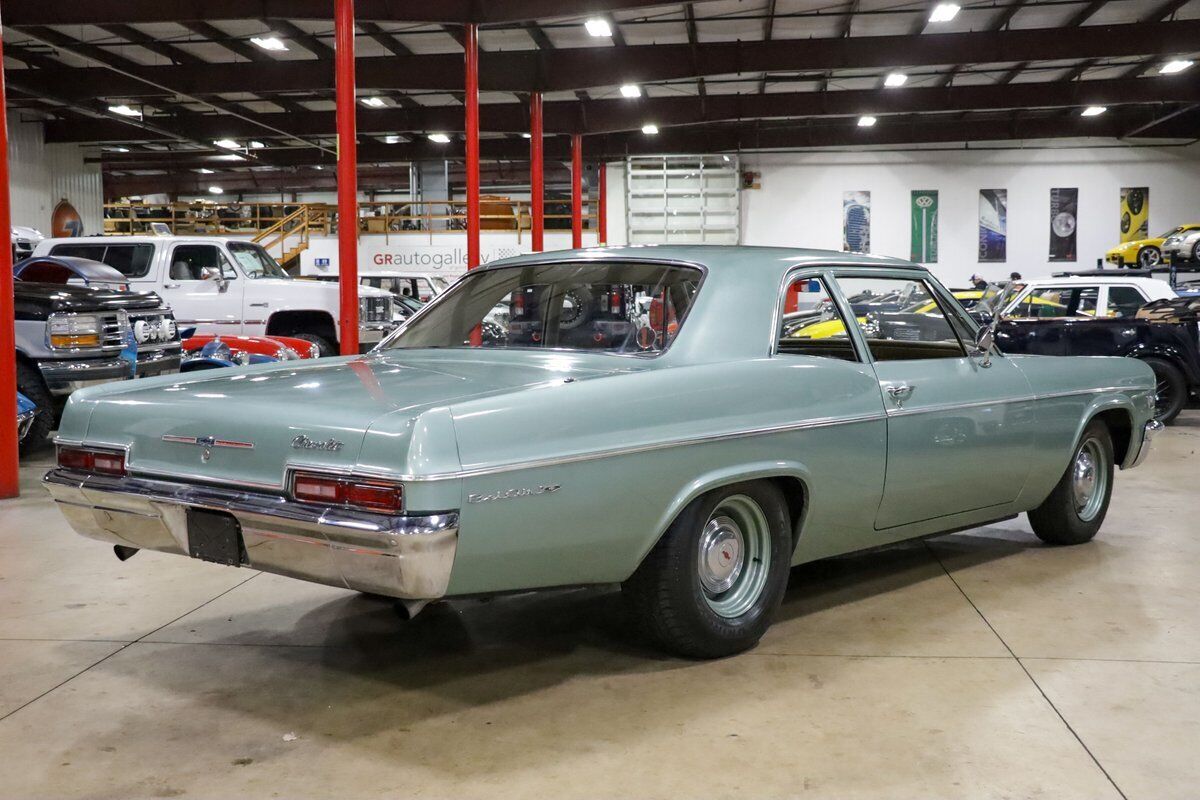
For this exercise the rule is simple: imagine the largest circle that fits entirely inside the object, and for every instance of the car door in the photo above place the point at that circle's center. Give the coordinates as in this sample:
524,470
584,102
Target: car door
203,288
959,428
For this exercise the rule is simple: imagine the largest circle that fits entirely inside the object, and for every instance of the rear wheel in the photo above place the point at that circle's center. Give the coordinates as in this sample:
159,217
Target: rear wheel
711,585
325,346
30,384
1075,510
1170,387
1149,257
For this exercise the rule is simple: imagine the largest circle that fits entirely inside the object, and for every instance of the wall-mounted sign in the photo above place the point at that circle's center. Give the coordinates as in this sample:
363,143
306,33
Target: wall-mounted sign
65,220
1064,205
1135,213
320,262
993,225
924,226
856,222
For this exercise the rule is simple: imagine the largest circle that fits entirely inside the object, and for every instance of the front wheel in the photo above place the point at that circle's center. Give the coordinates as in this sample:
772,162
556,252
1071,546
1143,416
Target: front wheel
1075,510
1149,257
1171,389
711,585
30,384
324,346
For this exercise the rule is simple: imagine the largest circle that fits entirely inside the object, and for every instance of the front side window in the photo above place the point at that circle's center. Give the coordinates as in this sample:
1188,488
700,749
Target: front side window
623,308
255,261
199,262
812,324
897,321
1054,302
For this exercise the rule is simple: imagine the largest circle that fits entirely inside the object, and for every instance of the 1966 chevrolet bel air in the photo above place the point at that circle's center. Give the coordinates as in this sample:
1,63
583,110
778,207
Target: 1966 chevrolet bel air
644,418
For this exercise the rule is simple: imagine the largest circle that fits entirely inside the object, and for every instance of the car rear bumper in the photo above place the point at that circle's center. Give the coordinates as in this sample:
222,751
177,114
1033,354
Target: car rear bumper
408,557
1149,431
64,377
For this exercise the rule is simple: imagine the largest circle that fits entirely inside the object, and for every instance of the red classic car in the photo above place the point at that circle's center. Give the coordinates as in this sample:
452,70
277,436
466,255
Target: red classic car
281,348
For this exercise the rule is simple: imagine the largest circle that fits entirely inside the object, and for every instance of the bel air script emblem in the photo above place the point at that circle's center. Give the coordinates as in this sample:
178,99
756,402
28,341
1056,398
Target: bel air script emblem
208,443
513,494
302,442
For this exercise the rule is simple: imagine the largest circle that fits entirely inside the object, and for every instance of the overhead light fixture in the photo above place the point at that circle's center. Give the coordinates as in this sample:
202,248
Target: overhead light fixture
944,12
391,139
318,166
117,149
257,145
650,129
205,171
269,43
373,102
866,121
895,79
440,138
1172,67
1093,111
631,90
228,144
230,157
526,135
125,111
598,27
215,190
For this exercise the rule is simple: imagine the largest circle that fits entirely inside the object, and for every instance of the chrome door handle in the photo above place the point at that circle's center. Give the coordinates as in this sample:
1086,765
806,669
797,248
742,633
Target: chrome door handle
900,393
171,285
259,305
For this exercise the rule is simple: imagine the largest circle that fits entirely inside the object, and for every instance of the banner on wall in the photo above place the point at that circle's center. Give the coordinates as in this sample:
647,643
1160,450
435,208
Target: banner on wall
993,225
65,220
1063,209
1135,213
856,222
924,226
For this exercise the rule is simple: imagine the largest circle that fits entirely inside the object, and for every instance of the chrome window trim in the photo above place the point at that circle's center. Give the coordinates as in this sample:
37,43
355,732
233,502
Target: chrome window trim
822,274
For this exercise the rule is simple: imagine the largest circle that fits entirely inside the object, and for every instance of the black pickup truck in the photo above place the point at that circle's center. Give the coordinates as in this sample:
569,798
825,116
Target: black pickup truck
1165,334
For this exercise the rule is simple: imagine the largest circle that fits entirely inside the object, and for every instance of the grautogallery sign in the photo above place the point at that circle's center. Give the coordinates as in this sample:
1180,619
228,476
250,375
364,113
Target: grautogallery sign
417,254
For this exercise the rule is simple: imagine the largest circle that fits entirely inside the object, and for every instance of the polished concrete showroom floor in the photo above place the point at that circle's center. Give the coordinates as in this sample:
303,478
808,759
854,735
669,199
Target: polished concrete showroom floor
976,665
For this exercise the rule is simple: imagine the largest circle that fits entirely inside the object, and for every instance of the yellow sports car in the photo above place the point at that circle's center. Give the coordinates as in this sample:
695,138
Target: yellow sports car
829,328
1144,253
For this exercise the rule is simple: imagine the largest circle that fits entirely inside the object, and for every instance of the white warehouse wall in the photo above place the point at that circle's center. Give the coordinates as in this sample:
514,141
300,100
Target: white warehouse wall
40,175
800,202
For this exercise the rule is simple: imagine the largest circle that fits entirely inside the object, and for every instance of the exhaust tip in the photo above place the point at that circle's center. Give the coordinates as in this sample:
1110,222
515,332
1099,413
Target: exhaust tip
124,553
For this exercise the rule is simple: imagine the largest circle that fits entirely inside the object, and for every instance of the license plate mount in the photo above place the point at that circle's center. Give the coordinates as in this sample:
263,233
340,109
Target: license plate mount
215,536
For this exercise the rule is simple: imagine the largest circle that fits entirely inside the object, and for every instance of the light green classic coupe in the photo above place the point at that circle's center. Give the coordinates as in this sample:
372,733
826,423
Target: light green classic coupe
641,416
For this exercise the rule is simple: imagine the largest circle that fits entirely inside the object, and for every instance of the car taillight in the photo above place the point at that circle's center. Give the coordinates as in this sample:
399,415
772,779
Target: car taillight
85,459
336,490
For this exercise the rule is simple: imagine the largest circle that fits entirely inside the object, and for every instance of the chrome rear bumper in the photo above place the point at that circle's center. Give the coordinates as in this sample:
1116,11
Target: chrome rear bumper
408,557
1149,431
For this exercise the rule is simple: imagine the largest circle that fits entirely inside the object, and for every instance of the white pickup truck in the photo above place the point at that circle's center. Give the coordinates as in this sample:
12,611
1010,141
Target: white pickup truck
227,285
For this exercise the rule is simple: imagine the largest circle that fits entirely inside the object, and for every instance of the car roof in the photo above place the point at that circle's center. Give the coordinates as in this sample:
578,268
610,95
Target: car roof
142,239
1097,279
713,257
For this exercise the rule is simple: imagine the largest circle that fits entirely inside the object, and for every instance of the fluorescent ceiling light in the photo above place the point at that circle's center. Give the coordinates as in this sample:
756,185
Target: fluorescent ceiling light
228,144
269,42
631,90
1093,111
598,27
373,102
391,139
526,135
895,79
944,12
650,129
866,121
125,111
257,145
205,171
230,157
215,190
318,166
117,149
440,138
1172,67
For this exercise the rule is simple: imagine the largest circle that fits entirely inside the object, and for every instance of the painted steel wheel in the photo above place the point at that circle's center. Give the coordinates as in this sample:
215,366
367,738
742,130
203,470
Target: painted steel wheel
1075,509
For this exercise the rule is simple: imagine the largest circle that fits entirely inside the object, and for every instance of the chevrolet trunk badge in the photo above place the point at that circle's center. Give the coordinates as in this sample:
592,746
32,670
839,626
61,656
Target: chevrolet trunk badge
208,443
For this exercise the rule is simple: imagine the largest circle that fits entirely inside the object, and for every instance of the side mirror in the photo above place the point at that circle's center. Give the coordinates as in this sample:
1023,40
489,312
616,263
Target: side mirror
222,284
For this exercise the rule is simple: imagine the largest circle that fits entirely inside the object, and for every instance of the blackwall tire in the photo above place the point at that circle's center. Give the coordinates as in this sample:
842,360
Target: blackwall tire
326,347
1149,257
1075,510
1172,389
30,384
711,585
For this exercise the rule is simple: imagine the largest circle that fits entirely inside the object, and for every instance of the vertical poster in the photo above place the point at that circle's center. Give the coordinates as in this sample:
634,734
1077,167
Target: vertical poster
1063,208
993,225
1135,213
924,226
856,222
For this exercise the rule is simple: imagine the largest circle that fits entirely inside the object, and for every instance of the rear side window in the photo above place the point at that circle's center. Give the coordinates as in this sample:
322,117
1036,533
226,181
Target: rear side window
1124,301
131,260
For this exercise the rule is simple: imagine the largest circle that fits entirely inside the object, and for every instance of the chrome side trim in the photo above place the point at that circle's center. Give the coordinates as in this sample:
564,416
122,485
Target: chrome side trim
934,409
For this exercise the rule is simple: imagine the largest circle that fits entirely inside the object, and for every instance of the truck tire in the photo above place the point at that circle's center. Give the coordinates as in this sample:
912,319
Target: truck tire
711,585
1172,389
325,347
30,384
1075,510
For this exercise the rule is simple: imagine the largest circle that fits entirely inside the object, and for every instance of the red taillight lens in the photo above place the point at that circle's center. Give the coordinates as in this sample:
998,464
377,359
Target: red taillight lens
82,459
362,493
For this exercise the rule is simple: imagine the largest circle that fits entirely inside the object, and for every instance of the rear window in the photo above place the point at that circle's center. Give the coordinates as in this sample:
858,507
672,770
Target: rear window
131,260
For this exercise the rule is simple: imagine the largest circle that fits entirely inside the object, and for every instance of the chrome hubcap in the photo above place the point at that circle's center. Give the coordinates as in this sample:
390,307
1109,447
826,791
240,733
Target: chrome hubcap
1089,480
733,556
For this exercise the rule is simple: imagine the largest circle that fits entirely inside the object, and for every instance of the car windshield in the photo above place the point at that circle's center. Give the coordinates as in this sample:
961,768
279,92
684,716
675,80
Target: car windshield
623,308
255,261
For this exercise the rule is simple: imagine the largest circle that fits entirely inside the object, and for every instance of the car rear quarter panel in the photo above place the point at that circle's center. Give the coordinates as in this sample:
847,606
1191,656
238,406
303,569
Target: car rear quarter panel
648,443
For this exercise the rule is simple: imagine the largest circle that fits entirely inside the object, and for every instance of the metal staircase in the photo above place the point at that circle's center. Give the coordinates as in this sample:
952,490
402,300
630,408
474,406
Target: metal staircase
290,235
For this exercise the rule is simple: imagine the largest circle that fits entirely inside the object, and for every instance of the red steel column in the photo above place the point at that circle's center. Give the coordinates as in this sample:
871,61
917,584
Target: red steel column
10,478
471,101
537,185
347,176
576,191
602,211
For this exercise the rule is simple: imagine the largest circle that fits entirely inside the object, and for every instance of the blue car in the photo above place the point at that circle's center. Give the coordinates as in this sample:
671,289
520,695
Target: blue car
26,411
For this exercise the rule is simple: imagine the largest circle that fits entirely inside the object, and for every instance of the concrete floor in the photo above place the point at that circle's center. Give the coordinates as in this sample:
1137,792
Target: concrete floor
977,665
